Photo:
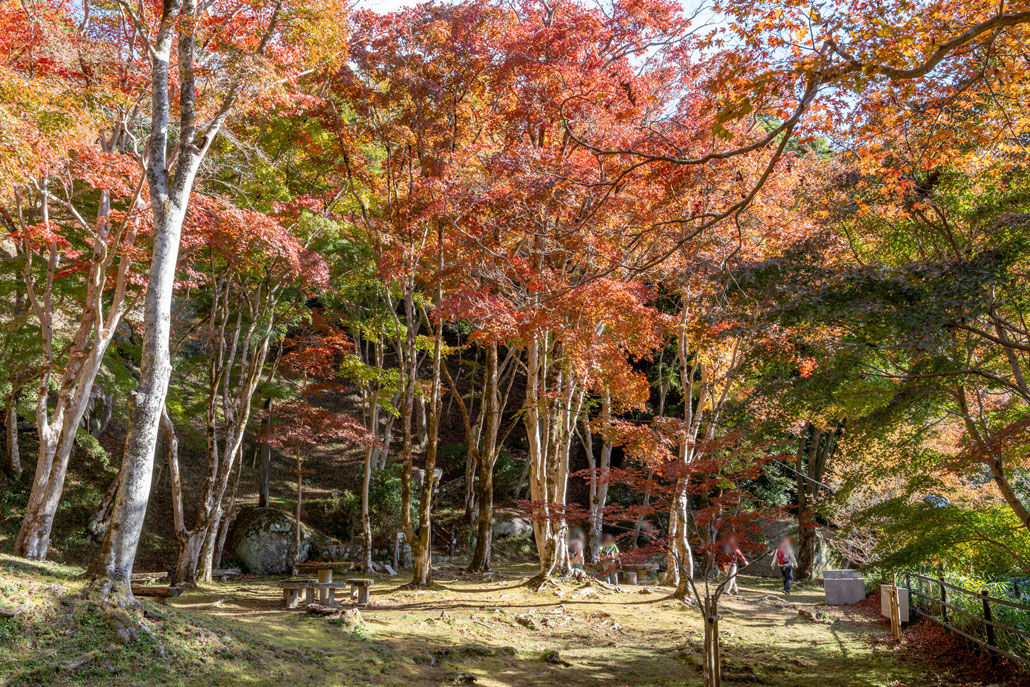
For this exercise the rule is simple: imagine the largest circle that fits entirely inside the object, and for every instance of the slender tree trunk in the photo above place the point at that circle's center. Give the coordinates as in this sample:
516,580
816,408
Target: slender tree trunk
265,490
407,353
551,417
383,454
372,418
11,425
366,521
806,517
712,658
223,528
422,546
97,525
484,520
297,528
55,449
84,357
680,566
600,470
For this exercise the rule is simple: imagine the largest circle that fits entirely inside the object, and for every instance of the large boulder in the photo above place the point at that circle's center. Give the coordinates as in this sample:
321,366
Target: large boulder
516,527
263,538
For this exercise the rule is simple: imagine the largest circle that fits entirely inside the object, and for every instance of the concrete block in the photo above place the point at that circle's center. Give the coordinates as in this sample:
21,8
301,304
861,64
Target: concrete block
843,587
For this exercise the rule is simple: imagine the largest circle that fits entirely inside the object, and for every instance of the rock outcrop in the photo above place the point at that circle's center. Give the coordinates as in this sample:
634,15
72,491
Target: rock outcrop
263,539
516,527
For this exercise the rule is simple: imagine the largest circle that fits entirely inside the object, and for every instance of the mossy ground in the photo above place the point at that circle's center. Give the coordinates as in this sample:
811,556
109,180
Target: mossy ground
486,631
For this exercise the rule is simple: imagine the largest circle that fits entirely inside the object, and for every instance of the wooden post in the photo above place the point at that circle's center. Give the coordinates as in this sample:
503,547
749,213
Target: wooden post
944,596
989,622
397,551
892,591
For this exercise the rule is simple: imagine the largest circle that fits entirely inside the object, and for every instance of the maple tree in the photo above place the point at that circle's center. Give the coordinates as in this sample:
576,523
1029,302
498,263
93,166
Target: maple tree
74,219
266,47
774,260
297,427
251,273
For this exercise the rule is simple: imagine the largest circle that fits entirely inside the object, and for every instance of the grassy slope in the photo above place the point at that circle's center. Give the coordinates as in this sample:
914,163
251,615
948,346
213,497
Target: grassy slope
462,631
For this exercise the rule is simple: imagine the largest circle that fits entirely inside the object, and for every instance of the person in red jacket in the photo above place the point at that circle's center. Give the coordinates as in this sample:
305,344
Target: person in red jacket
785,560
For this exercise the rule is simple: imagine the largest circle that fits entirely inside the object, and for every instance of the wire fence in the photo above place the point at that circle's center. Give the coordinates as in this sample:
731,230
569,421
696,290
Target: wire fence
1000,626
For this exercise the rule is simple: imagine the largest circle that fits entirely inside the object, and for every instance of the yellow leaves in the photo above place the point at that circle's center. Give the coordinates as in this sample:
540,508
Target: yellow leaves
735,110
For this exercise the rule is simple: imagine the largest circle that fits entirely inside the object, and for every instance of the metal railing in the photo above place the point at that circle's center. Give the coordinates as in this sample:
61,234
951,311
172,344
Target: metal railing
982,627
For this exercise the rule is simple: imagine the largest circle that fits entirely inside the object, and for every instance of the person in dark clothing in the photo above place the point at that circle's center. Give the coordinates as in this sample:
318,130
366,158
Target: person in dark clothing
785,560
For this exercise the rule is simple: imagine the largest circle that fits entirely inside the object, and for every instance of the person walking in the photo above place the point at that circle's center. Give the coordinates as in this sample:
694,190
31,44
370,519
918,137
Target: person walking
785,560
576,548
732,554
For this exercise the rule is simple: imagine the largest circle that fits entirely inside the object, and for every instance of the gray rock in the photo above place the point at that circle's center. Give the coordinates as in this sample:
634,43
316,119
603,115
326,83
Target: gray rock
262,541
516,527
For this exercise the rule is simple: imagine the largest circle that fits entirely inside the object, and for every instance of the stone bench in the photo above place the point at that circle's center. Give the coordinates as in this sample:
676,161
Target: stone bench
360,586
223,574
634,572
296,590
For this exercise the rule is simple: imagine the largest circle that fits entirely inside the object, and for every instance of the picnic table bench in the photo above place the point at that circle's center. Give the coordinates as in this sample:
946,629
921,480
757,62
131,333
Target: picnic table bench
638,571
160,593
295,590
324,572
223,573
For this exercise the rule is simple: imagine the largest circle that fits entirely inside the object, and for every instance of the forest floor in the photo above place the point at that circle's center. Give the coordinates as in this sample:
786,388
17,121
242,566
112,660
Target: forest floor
489,631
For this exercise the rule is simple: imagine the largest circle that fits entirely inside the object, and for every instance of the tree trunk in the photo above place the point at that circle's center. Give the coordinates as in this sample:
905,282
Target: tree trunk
113,567
600,470
372,419
681,555
265,489
169,197
98,524
484,529
806,517
366,521
422,546
84,356
550,418
407,352
223,528
712,658
820,450
296,529
11,425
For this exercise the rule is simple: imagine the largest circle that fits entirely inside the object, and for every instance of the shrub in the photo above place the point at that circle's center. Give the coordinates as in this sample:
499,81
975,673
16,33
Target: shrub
341,512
